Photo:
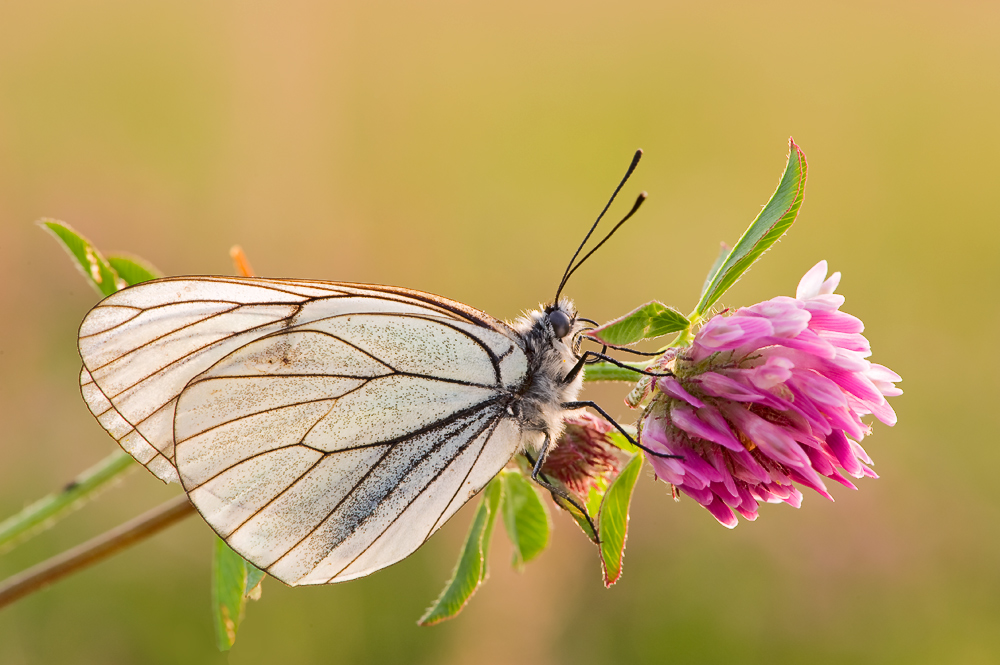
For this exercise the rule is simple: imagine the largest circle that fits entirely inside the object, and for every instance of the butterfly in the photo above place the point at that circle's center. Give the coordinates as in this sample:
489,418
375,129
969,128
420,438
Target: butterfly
326,430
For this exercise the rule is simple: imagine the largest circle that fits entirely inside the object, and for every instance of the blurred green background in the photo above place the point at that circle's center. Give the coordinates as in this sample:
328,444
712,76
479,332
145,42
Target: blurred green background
462,149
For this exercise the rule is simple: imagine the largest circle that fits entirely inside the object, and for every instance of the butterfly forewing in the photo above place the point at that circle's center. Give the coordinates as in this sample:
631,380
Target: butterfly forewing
127,436
324,430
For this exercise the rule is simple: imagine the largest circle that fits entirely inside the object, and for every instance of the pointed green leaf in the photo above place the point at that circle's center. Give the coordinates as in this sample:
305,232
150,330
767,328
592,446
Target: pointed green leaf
578,517
86,257
776,217
645,322
724,250
230,590
254,577
619,440
612,520
594,498
45,512
493,494
525,517
132,269
471,570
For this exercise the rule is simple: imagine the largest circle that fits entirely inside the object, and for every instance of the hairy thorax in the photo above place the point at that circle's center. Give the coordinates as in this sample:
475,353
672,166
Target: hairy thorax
550,359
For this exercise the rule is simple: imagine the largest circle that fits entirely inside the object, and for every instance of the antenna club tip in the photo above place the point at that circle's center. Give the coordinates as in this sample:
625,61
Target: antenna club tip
643,194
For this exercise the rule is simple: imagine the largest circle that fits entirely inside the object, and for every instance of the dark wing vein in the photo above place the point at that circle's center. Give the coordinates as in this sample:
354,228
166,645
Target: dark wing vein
395,371
273,409
437,424
276,496
491,425
166,334
408,296
494,358
196,351
414,463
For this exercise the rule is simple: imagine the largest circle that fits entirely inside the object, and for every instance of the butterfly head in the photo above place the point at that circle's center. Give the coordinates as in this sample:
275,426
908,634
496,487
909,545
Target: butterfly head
563,325
554,325
560,318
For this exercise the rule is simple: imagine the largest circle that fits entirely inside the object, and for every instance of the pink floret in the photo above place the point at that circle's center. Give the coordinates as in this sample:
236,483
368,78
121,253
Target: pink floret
770,395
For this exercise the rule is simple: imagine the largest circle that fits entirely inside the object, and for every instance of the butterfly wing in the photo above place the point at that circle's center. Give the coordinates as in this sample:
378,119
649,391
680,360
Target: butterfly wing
324,430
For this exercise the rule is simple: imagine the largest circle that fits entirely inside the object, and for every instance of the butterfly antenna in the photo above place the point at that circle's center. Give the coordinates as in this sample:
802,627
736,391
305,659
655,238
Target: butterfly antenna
638,202
570,268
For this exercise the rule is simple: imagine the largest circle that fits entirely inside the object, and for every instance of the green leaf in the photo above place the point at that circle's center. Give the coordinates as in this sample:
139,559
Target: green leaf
594,498
724,250
132,269
578,517
525,517
653,319
233,581
612,520
619,440
607,372
254,577
776,217
471,569
107,276
90,262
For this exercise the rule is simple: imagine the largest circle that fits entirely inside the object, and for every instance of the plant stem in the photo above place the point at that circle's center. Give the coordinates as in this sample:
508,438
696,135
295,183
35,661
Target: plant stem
45,511
609,372
95,549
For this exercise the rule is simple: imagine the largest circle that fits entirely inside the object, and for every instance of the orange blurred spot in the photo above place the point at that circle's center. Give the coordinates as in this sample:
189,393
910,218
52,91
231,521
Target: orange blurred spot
240,261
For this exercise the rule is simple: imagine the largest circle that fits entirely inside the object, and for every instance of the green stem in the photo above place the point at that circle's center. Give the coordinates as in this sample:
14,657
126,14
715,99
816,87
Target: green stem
44,512
609,372
686,336
684,339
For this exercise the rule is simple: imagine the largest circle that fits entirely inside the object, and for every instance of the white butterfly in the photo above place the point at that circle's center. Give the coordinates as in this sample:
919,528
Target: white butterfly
325,430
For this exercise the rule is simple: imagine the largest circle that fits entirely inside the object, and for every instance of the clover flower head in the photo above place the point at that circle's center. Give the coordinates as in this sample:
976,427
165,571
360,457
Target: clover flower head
767,396
584,456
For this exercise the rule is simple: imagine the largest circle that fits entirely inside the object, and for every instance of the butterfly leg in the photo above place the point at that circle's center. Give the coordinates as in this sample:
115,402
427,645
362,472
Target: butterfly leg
591,356
604,414
539,477
569,378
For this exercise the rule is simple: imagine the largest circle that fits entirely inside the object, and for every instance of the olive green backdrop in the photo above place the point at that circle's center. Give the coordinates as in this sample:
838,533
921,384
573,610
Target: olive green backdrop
462,148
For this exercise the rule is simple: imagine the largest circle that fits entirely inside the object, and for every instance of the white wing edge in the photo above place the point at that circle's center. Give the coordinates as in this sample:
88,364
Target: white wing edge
122,431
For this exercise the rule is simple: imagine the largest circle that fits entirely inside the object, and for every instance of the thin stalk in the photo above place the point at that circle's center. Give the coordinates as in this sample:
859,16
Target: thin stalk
46,511
94,550
608,372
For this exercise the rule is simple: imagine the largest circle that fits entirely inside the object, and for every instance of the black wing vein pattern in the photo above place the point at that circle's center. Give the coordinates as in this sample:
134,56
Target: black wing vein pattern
324,430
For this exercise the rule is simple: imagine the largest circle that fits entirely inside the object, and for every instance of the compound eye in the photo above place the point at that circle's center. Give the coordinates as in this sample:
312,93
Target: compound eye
560,323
